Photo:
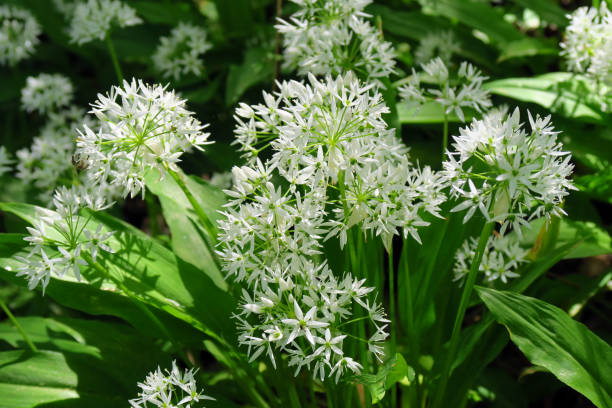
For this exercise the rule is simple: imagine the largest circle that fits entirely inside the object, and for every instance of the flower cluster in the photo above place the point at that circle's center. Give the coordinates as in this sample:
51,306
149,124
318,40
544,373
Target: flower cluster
468,91
507,173
440,44
180,53
332,37
588,41
59,238
19,33
95,18
332,131
501,258
140,127
172,388
340,167
46,93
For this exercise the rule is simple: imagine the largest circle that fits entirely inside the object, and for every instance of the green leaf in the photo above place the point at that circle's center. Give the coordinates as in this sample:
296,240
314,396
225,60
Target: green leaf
29,380
430,112
526,47
551,339
560,92
394,370
256,67
548,10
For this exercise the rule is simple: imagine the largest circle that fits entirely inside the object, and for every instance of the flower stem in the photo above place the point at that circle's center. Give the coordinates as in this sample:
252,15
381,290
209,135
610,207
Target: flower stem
487,229
445,136
392,318
18,326
113,55
206,223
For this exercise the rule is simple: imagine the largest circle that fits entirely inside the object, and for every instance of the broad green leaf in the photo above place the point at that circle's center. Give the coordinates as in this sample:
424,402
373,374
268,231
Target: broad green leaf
561,92
394,370
597,185
256,67
548,10
28,380
430,112
527,47
551,339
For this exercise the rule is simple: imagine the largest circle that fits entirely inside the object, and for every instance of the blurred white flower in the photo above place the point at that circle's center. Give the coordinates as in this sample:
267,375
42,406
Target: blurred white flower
587,46
46,93
434,44
501,258
94,19
180,53
453,93
19,33
507,173
333,37
171,388
140,127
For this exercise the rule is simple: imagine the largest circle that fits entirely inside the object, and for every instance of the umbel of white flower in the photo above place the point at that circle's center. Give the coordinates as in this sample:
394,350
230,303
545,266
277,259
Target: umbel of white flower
180,53
587,46
454,93
46,93
171,388
19,33
140,127
502,256
59,238
333,37
331,133
94,19
509,174
434,44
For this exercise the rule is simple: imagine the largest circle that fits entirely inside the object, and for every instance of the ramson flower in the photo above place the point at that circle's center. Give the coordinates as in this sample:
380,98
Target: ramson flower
507,173
19,33
587,46
452,92
440,44
332,37
171,388
501,259
58,238
94,19
140,127
332,133
180,53
46,93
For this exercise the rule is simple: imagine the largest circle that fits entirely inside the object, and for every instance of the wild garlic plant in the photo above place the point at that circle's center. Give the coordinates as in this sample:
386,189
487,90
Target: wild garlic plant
46,93
180,53
333,37
19,32
94,19
453,93
171,388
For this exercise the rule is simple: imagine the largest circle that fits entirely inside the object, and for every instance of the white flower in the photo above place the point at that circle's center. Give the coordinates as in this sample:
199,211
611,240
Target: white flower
500,260
19,33
332,37
525,174
436,44
141,126
58,239
588,41
454,93
94,19
172,388
46,93
180,53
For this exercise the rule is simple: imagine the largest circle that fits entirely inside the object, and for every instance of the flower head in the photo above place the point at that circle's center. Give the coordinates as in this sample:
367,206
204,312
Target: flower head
46,93
332,37
141,127
19,33
94,19
511,175
171,388
440,44
180,53
588,41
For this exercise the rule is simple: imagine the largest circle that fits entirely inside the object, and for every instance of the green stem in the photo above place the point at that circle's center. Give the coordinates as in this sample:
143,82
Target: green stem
392,317
206,223
487,229
113,55
445,137
18,326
